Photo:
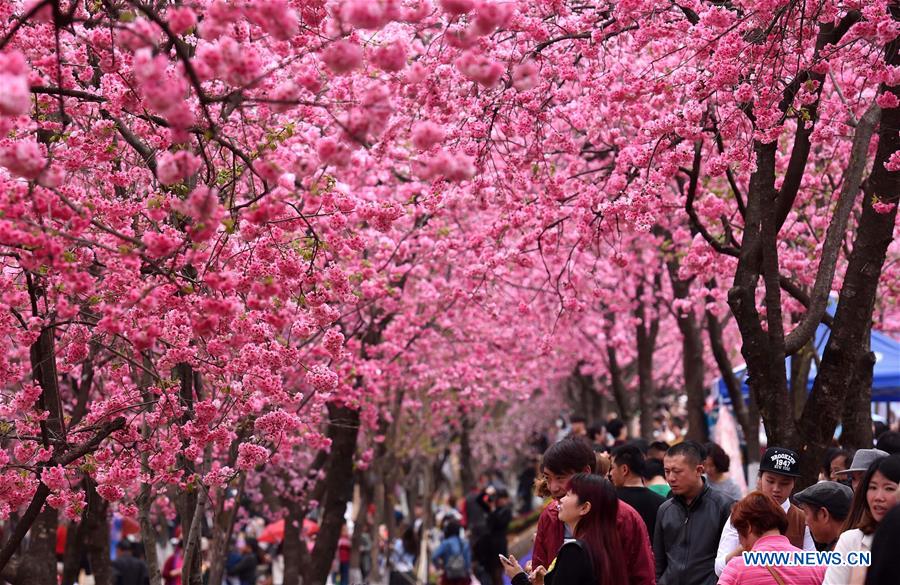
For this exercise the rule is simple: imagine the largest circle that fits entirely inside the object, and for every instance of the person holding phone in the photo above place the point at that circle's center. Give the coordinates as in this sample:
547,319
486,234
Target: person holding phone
594,556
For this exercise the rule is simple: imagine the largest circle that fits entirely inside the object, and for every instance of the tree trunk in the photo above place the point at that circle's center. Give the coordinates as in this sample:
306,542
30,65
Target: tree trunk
343,428
748,421
801,363
223,526
754,449
857,415
96,534
691,358
765,364
646,346
361,521
292,547
617,375
380,517
466,464
848,344
39,560
74,549
149,536
694,371
187,501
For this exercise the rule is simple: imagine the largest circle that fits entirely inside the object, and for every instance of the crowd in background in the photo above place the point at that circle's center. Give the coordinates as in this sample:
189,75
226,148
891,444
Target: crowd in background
653,512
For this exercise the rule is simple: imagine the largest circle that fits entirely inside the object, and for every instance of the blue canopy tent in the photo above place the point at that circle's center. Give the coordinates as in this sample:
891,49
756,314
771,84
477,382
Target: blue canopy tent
885,375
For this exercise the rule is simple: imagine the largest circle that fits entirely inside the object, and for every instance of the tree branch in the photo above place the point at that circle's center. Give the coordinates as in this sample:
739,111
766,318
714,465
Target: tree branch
834,237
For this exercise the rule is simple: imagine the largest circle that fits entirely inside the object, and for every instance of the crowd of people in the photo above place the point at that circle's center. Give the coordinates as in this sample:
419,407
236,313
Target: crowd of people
627,511
697,533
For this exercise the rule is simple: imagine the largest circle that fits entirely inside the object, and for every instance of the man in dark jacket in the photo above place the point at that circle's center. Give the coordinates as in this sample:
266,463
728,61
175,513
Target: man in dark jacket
627,474
245,569
688,525
128,570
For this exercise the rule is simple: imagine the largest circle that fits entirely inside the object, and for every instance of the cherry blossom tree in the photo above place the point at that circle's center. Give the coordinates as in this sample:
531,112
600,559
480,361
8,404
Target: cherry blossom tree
243,240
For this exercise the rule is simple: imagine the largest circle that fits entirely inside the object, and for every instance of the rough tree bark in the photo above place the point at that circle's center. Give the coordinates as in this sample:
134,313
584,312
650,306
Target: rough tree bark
149,535
292,547
96,534
647,333
857,415
223,526
847,354
343,427
466,469
747,417
361,522
765,363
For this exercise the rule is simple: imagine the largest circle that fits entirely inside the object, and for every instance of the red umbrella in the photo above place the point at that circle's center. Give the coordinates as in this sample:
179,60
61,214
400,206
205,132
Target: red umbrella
274,532
130,526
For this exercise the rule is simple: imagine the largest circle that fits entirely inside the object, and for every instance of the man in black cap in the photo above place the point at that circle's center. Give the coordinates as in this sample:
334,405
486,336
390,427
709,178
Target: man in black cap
826,505
778,473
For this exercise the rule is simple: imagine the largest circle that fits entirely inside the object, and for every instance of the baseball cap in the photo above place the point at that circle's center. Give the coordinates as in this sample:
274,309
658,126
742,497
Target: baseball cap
831,495
781,461
863,459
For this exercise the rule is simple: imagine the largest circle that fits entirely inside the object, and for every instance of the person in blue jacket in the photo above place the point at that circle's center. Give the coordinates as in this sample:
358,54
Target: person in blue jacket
453,556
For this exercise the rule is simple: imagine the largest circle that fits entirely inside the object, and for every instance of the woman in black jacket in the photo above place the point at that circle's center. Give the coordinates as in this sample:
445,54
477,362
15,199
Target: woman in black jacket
594,557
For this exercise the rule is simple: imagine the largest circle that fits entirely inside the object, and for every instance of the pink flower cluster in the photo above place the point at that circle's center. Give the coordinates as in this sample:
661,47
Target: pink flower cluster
370,14
218,476
480,68
173,167
181,19
322,378
451,166
71,502
427,134
24,158
525,76
250,455
333,342
342,56
390,56
23,400
15,97
205,211
274,424
160,244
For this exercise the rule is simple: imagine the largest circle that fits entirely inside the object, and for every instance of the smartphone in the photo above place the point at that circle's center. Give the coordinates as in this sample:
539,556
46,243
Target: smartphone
504,560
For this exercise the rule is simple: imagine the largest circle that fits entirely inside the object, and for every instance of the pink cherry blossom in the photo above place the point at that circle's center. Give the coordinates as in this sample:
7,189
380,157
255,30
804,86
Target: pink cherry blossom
181,19
173,167
456,7
390,57
250,456
525,76
427,134
15,99
480,68
24,158
343,56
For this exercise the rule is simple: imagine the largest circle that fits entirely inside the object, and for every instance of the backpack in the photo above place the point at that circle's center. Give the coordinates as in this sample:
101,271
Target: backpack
455,567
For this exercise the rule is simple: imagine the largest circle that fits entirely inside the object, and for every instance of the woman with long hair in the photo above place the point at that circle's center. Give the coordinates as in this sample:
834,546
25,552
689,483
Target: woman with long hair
876,495
594,556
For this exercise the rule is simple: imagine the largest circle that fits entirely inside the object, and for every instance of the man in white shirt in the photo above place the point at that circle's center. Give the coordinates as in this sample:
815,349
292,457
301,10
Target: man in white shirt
778,473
